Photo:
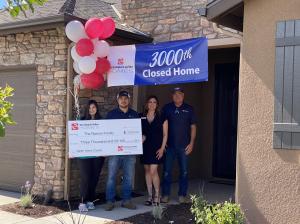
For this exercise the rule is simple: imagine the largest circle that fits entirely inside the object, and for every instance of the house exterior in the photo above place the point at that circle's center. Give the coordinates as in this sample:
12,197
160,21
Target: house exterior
35,59
247,130
268,170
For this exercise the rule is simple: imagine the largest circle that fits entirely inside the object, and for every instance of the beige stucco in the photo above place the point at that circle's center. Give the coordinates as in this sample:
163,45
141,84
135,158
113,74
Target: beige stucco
268,180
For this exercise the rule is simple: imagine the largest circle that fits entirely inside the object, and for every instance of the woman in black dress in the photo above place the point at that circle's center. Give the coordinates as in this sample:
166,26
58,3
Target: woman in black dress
155,134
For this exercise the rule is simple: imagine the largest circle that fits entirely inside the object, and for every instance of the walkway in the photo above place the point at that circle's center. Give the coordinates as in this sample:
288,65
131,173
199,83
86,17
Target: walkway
212,192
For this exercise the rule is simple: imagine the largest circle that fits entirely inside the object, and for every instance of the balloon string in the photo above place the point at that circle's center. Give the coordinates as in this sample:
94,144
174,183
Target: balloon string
76,101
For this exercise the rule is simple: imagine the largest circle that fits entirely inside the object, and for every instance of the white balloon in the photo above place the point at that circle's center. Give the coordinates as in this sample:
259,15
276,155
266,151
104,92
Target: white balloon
94,56
76,67
76,57
101,49
87,64
76,80
75,31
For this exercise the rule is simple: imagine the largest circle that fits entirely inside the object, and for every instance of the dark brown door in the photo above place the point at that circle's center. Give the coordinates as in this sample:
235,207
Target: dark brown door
225,120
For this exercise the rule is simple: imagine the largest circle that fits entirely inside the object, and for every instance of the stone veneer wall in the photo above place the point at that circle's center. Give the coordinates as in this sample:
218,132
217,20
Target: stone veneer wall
48,51
172,19
163,20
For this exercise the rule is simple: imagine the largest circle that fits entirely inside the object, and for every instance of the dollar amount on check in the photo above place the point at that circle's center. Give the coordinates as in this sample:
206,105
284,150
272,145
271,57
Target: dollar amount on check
105,137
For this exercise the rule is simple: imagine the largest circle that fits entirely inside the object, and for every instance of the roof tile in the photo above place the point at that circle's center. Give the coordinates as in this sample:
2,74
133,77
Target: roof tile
79,8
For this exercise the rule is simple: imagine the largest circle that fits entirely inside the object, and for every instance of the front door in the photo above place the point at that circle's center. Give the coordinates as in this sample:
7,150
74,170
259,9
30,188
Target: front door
225,120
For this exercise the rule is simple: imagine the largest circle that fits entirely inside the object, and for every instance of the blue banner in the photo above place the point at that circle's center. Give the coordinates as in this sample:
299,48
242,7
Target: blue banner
170,62
182,61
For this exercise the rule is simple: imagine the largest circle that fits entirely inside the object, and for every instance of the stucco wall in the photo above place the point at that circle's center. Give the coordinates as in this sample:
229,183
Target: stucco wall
268,183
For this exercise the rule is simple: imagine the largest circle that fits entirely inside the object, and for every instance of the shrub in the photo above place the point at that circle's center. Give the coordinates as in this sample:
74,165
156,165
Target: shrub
198,209
5,109
157,212
26,201
222,213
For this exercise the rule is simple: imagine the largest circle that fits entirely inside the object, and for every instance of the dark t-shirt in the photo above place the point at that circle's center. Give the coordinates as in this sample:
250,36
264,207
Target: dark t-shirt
119,114
180,120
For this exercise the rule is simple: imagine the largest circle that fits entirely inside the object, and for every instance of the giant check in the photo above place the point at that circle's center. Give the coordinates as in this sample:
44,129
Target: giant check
105,137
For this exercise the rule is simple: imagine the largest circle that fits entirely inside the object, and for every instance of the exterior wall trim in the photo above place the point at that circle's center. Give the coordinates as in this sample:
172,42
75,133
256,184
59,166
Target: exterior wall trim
17,67
287,127
287,41
51,22
68,116
219,7
32,22
224,43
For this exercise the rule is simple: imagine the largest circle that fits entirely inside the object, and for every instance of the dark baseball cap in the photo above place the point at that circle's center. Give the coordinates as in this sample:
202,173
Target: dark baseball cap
177,89
123,93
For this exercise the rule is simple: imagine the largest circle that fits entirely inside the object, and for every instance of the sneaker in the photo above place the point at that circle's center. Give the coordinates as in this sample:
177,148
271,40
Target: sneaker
82,207
129,205
164,199
109,206
183,200
90,205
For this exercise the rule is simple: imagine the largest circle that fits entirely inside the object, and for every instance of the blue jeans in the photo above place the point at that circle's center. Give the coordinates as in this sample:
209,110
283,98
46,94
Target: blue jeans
127,164
171,155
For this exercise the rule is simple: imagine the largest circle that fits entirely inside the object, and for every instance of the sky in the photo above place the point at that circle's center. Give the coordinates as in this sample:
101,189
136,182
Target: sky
2,3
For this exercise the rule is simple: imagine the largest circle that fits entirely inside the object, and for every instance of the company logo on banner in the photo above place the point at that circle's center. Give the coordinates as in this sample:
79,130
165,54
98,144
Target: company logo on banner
171,62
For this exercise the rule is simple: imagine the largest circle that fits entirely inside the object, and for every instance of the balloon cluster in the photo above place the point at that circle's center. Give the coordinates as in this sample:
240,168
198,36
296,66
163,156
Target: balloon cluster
90,51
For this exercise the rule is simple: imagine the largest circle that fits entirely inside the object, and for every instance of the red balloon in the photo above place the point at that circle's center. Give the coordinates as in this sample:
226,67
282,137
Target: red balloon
109,27
94,28
92,81
84,47
102,66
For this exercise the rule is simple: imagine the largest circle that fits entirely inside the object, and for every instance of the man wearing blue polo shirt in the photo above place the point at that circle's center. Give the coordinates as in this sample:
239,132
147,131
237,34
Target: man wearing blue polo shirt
125,162
181,137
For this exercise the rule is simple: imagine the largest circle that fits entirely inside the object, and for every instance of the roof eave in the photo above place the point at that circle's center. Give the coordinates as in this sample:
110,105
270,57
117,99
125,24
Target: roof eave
52,22
31,25
219,11
220,7
118,32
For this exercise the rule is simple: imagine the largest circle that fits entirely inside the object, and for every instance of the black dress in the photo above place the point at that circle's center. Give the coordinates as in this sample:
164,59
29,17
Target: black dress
154,138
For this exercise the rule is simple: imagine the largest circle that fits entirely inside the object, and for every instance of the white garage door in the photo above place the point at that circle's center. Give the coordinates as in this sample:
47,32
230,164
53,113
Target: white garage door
17,147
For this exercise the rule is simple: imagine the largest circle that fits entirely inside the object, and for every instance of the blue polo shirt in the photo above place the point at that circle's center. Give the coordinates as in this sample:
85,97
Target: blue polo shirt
119,114
180,120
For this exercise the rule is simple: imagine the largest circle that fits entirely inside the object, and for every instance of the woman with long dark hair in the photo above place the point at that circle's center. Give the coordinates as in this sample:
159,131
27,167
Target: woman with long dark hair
90,167
155,134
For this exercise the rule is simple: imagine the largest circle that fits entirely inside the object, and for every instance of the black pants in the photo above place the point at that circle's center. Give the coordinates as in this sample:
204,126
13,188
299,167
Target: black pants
90,170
